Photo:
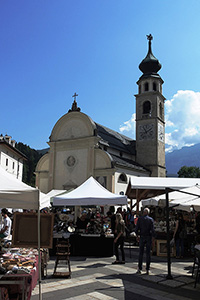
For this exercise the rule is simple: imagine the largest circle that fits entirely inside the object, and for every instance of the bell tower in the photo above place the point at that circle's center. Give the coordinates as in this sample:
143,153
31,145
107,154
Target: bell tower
150,122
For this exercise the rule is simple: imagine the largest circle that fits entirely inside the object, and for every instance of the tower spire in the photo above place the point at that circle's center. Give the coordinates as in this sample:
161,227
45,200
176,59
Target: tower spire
149,38
150,64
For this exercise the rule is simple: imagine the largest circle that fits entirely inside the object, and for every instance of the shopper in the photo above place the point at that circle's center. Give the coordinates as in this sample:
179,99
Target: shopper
198,223
7,223
119,239
145,229
179,235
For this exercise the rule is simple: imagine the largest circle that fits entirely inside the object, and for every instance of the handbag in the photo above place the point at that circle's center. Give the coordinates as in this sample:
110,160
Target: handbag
172,242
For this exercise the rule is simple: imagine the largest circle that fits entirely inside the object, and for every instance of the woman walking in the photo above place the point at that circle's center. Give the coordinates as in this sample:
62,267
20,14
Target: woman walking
119,239
180,235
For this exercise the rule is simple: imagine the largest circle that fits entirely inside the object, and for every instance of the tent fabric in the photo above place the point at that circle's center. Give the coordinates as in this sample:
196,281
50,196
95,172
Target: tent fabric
154,202
186,198
181,200
16,194
149,187
54,193
90,192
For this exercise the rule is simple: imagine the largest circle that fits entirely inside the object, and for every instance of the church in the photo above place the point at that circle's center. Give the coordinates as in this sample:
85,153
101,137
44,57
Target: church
79,147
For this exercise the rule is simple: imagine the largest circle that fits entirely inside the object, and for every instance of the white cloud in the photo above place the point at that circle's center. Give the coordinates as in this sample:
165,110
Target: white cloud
182,120
129,126
182,116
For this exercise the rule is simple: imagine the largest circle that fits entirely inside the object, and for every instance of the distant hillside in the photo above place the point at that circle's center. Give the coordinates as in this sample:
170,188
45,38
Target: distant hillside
33,157
43,151
186,156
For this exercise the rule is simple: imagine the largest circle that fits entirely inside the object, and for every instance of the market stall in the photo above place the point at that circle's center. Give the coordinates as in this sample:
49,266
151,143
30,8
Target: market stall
186,201
148,187
91,194
16,194
20,272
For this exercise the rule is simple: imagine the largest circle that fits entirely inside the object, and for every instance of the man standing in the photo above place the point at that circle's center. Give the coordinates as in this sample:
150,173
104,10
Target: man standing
6,228
145,228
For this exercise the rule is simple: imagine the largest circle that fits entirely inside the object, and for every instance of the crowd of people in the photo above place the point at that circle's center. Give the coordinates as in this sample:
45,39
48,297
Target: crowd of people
93,220
145,233
121,224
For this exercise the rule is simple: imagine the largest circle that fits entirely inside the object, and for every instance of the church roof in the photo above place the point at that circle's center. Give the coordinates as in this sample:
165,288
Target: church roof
116,140
128,163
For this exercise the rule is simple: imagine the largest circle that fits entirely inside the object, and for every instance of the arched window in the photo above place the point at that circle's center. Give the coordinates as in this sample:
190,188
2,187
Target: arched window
160,110
122,178
146,86
154,86
147,107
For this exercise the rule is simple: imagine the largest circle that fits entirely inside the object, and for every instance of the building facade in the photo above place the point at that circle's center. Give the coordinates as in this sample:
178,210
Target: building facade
11,159
80,148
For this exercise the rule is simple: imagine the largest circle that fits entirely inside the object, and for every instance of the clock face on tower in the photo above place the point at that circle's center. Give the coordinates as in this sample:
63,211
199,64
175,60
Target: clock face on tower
161,136
146,131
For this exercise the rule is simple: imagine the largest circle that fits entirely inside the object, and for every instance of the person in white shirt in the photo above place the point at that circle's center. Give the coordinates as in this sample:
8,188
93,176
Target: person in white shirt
7,223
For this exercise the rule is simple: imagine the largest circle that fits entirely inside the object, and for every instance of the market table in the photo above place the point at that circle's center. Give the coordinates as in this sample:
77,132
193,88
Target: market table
91,245
87,244
21,283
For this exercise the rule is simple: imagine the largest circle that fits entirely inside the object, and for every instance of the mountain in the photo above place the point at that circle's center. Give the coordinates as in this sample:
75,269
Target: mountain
186,156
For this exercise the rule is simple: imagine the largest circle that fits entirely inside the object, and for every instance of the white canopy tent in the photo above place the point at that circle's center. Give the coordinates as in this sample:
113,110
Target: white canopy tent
54,193
186,198
148,187
183,199
16,194
154,202
90,192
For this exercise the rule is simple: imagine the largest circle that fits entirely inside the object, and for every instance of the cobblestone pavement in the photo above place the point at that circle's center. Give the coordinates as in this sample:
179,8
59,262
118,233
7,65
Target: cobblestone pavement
98,279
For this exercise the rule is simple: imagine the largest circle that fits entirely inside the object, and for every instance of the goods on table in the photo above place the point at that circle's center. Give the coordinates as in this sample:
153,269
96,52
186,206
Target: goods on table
17,260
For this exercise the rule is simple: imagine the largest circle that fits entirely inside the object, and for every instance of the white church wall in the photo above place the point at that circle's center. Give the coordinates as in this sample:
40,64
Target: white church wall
71,166
120,187
72,125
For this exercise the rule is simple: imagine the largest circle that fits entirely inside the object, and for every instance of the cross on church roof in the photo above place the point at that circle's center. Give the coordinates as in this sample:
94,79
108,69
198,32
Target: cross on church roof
74,96
74,104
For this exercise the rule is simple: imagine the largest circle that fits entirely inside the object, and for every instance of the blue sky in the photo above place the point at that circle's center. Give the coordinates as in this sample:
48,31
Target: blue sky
50,49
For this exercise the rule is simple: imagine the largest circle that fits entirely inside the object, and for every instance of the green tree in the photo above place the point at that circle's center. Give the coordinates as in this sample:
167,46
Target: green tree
189,172
33,157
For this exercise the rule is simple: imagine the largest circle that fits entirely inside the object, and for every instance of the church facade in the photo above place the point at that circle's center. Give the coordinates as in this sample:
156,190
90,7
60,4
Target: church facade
80,148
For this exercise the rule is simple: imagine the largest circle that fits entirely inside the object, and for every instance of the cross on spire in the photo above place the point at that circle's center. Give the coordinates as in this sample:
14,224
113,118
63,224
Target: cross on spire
149,37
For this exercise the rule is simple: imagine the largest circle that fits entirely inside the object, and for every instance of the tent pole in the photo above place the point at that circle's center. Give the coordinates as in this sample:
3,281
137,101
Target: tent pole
39,256
137,201
169,276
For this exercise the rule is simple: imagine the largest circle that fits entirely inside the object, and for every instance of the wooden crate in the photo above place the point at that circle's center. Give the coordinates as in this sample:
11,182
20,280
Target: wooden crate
161,248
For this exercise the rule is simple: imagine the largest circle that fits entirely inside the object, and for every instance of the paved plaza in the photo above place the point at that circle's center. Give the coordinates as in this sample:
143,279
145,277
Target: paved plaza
98,279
